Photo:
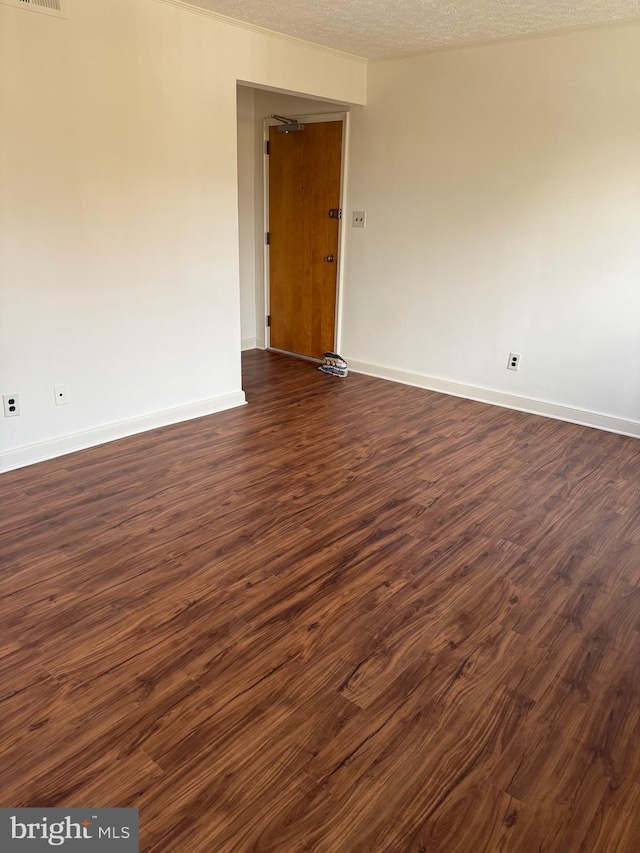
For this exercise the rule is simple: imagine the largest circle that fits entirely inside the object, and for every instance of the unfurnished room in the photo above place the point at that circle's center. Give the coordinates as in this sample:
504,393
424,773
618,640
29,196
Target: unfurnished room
319,442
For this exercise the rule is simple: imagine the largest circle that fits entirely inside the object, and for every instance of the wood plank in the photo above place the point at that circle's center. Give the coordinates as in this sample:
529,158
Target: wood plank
351,615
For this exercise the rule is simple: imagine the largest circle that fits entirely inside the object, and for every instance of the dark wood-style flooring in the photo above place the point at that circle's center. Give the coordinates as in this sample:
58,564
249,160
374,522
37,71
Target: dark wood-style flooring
350,616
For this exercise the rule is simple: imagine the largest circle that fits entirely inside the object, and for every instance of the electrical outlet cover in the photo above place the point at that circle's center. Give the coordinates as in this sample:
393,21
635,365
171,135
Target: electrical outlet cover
11,405
60,393
514,361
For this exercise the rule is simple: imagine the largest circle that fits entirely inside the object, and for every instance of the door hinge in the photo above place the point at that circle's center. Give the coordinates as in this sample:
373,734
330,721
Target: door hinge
268,319
335,213
267,147
268,238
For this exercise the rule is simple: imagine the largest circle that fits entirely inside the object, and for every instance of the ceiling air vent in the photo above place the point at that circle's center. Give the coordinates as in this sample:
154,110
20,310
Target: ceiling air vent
45,7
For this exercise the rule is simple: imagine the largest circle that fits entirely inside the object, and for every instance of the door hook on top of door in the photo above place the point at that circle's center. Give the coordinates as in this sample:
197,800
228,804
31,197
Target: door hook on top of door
289,125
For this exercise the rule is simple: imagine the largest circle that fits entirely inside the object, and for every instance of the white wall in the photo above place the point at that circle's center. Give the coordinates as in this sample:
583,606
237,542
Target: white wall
118,212
502,190
247,177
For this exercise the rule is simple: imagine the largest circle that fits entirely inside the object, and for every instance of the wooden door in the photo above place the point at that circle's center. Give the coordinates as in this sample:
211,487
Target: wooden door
304,186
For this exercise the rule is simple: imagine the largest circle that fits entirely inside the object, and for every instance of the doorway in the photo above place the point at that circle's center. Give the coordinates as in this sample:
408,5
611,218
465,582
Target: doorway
303,189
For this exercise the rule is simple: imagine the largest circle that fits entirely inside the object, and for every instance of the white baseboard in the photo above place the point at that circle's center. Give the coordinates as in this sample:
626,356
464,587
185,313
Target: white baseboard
44,450
499,398
248,343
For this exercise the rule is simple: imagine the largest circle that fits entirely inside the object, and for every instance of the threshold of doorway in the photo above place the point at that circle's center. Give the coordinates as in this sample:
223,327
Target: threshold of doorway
295,355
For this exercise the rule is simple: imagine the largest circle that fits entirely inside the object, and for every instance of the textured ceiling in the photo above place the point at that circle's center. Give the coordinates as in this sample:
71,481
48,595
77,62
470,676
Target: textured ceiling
379,28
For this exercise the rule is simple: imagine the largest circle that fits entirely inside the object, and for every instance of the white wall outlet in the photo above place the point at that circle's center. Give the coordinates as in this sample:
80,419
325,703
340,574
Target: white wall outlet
359,219
11,405
514,361
60,393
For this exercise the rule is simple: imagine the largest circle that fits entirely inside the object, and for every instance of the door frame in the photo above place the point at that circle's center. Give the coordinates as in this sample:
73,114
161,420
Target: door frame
307,119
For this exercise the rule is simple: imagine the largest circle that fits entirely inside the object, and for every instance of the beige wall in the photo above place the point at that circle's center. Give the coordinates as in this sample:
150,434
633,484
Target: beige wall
118,212
502,190
248,176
